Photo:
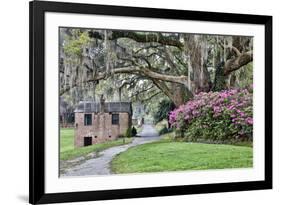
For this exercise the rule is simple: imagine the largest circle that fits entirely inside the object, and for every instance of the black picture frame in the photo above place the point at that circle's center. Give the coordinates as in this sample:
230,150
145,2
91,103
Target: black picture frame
37,192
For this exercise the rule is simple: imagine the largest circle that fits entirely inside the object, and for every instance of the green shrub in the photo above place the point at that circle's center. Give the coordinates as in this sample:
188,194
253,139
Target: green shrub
134,132
164,130
128,133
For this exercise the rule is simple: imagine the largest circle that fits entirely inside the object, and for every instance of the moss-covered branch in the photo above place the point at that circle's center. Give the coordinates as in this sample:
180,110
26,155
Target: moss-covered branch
140,37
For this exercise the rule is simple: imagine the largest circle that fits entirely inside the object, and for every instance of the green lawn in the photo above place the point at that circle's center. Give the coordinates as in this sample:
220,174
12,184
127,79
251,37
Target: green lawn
66,139
68,151
172,156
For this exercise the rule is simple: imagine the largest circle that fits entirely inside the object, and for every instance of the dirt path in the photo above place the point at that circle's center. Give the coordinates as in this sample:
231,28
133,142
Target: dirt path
100,165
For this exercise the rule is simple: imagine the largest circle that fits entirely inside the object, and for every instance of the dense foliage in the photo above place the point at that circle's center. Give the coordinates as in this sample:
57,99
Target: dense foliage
216,116
163,109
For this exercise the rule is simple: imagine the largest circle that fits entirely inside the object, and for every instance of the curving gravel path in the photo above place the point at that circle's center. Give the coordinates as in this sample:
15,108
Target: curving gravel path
100,165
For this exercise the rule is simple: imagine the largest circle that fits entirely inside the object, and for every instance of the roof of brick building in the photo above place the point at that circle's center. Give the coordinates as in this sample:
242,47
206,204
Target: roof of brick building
90,107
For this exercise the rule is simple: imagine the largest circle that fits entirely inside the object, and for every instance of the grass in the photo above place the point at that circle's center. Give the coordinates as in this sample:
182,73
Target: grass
68,151
244,143
66,139
172,156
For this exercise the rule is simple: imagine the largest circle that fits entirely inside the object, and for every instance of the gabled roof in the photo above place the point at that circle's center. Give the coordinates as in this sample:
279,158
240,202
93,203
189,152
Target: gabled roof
90,106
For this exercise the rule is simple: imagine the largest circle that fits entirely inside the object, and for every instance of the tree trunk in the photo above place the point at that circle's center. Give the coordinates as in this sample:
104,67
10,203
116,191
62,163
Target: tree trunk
220,78
196,51
120,93
180,94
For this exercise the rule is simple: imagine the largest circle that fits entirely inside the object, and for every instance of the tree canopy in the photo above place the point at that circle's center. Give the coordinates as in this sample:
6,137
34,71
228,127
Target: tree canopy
143,65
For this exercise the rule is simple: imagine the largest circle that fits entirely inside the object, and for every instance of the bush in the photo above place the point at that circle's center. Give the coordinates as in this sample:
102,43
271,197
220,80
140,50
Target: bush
134,131
131,132
164,130
216,116
128,132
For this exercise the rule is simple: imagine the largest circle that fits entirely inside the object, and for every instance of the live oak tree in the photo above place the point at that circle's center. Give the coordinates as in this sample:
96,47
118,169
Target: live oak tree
143,65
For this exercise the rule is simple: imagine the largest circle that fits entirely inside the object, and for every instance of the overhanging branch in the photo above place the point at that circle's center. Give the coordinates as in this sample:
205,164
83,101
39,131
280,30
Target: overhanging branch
237,62
141,38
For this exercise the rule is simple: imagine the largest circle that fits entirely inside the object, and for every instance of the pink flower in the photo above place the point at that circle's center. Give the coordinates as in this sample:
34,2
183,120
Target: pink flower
234,104
249,120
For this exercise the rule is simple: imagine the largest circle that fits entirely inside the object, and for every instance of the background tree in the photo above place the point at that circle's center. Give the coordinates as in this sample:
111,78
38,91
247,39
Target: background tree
162,112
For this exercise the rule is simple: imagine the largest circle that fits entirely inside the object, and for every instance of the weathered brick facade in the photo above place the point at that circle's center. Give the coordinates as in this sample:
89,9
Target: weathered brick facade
101,128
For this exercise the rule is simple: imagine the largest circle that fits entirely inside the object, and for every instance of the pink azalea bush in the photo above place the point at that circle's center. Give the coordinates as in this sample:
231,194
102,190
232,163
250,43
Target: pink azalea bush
216,116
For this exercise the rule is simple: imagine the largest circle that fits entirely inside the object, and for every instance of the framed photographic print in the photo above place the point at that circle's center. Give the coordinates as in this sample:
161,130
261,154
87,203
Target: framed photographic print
140,102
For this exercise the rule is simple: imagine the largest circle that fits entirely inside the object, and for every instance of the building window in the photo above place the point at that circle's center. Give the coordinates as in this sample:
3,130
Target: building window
115,119
88,119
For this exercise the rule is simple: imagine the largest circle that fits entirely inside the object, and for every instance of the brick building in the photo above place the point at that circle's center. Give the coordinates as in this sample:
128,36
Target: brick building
100,122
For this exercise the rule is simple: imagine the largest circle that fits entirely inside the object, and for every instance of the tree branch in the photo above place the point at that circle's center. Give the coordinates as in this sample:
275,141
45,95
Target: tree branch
146,72
148,47
236,63
238,53
231,47
163,87
150,97
141,38
130,82
142,91
137,71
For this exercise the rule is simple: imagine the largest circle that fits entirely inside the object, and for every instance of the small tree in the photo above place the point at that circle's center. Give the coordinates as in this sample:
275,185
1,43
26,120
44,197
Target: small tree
128,132
134,131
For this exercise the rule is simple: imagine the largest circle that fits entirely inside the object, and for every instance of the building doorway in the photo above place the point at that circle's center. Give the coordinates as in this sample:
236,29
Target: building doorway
87,141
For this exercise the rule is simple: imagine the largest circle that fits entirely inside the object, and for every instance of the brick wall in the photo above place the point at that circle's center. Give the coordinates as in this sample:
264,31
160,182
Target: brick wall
101,129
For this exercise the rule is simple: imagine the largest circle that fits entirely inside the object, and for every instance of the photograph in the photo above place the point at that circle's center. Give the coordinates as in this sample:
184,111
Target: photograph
131,102
136,101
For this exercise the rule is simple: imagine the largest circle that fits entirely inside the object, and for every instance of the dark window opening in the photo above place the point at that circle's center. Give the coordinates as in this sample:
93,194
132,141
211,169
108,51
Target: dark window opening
88,119
96,136
115,119
109,136
76,125
87,141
